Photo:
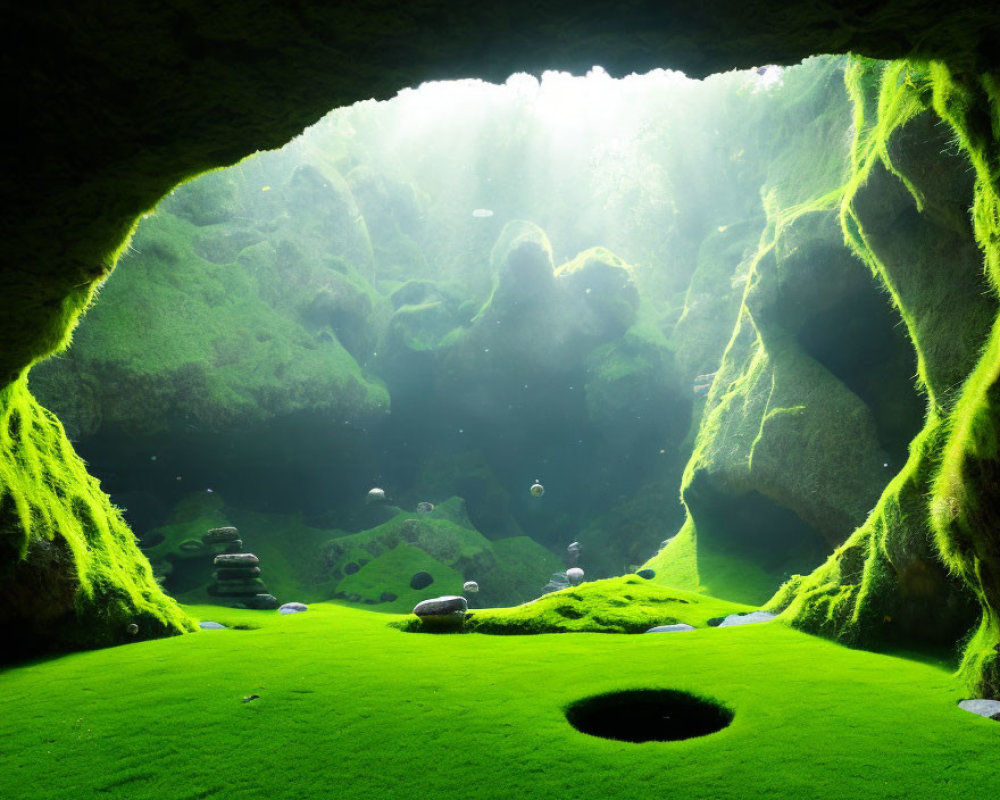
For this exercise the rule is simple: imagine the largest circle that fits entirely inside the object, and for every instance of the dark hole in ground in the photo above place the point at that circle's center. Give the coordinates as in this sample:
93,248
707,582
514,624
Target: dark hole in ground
648,715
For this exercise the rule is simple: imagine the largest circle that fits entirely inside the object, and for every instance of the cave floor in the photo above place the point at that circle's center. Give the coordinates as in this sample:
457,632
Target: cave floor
350,708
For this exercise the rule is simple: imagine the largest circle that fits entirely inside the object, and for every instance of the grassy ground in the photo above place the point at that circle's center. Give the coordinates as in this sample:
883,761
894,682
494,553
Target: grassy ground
349,708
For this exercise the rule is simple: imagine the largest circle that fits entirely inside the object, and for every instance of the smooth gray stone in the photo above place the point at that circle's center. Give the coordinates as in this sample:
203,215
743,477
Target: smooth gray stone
984,708
293,608
680,626
208,625
746,619
442,613
236,560
448,604
217,535
262,601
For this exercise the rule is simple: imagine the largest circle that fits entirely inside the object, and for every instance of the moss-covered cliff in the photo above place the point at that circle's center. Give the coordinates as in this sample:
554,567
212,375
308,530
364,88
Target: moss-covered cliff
71,573
909,571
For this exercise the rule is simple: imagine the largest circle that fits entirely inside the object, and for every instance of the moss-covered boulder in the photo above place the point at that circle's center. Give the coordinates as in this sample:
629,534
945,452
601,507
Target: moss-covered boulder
509,570
788,460
628,604
888,582
71,575
252,301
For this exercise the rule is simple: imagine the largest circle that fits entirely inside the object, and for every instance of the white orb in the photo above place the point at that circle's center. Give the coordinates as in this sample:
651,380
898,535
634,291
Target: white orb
575,575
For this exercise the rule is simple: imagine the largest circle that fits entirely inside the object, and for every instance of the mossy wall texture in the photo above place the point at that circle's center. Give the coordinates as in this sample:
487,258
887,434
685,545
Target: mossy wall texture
70,572
115,106
887,582
910,571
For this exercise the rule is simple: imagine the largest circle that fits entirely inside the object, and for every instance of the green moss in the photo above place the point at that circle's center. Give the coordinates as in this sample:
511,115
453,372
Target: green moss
59,531
522,567
179,334
628,604
772,408
508,279
962,510
338,680
885,583
507,570
388,576
676,561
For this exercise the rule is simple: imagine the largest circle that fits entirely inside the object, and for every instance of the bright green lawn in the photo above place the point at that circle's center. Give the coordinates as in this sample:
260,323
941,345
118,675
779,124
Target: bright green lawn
350,708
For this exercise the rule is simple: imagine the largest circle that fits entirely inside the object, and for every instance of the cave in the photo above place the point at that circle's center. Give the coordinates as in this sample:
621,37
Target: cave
878,448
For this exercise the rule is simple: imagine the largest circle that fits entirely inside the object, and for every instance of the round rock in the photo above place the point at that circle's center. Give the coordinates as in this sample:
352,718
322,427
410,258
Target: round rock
470,586
647,573
236,560
442,613
293,608
264,602
208,625
575,576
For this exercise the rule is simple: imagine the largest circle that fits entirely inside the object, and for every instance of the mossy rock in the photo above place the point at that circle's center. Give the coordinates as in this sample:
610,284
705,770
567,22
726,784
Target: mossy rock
390,574
603,287
268,305
628,604
71,575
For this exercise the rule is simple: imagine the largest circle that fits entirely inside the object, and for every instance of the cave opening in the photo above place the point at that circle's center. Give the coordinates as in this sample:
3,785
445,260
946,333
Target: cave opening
861,339
452,294
749,544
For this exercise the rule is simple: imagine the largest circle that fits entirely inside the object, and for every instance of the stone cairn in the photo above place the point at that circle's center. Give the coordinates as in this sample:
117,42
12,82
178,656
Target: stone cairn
236,579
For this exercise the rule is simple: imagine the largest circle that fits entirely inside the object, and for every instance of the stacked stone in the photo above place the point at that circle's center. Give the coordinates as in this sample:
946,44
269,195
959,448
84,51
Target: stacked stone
236,579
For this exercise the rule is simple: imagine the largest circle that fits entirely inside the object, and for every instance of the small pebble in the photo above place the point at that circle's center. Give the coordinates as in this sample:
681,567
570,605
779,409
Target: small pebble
680,626
250,697
208,625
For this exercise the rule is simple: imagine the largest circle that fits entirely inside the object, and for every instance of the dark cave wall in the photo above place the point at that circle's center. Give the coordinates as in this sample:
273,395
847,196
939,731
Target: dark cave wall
122,102
117,105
